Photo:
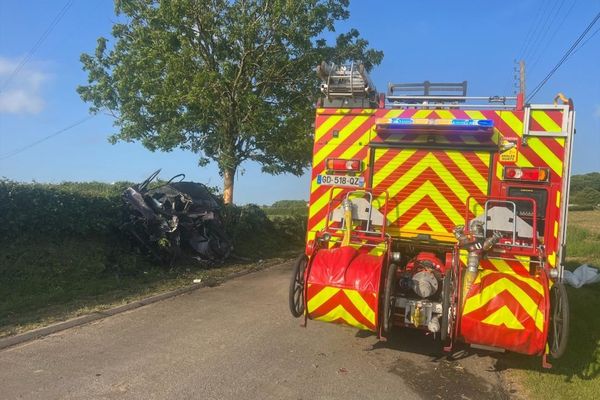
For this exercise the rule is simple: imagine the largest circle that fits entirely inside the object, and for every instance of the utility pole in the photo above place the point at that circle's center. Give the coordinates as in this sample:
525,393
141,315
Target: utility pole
522,77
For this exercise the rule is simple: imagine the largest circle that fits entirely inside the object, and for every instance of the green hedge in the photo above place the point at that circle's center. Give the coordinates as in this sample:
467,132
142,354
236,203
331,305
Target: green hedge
34,210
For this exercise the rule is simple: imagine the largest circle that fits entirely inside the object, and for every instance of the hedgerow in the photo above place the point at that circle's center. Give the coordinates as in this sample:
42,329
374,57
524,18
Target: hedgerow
72,209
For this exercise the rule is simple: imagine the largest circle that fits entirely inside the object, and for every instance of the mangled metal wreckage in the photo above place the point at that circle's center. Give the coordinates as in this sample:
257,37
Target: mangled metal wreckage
175,216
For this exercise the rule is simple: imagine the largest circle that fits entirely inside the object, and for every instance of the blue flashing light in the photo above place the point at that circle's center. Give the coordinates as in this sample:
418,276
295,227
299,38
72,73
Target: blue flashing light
401,121
488,123
484,123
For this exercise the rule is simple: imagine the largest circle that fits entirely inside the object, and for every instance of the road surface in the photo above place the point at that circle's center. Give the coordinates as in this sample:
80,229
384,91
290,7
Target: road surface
237,341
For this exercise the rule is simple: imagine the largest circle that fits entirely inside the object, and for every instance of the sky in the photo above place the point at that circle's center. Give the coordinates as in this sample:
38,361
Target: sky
443,41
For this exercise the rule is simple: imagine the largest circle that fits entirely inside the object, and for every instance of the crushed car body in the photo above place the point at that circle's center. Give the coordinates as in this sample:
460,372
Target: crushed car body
175,216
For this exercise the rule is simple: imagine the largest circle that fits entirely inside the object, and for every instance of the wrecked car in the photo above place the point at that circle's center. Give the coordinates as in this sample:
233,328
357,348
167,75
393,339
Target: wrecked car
173,217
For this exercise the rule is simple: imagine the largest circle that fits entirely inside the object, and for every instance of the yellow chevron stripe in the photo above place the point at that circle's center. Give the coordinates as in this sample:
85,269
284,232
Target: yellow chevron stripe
427,217
469,170
323,201
474,114
499,171
352,150
340,312
560,141
318,204
327,125
360,304
484,157
426,189
547,124
444,114
546,154
344,133
497,288
522,161
430,161
380,153
320,298
503,316
503,266
552,259
511,120
382,173
422,114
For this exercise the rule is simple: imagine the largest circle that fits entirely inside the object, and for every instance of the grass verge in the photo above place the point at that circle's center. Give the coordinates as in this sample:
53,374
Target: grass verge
54,280
577,374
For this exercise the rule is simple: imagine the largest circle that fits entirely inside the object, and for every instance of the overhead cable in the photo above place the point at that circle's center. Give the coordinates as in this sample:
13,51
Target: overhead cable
37,44
564,57
32,144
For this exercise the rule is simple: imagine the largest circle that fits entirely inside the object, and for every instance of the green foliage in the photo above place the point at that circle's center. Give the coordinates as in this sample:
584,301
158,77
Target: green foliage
255,235
578,371
585,191
287,208
61,247
228,80
580,182
35,209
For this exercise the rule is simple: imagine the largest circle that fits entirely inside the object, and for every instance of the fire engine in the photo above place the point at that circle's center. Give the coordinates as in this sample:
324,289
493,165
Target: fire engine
433,210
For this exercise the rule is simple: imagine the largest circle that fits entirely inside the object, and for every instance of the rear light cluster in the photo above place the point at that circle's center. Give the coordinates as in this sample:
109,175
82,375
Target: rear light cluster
526,174
339,164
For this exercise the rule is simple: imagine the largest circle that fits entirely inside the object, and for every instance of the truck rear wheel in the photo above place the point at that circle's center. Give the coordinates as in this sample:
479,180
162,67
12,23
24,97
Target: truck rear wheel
389,300
558,330
296,293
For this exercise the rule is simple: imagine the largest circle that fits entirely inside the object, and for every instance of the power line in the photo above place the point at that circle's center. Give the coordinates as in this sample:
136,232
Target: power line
584,42
564,57
536,26
544,26
565,16
30,145
37,44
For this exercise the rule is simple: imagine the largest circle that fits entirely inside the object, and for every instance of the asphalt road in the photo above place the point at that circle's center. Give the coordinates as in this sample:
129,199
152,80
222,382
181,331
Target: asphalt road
237,341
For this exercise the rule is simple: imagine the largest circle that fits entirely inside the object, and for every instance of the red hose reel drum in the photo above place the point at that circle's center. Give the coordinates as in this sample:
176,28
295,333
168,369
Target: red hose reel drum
343,287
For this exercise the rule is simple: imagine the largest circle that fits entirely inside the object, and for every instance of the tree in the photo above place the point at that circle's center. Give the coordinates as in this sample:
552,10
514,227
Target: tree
231,80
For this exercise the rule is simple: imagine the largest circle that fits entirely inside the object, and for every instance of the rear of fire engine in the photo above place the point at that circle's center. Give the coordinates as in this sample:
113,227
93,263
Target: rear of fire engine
433,210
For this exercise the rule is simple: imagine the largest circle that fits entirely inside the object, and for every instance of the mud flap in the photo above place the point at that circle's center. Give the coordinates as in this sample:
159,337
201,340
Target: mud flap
343,287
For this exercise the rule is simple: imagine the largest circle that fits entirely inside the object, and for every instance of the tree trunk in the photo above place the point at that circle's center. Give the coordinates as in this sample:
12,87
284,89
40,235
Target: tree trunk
228,178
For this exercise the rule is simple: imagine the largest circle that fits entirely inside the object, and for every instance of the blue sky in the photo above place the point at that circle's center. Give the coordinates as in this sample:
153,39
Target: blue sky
435,40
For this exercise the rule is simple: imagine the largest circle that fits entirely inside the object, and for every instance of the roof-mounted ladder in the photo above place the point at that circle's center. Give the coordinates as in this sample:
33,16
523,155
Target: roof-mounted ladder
345,81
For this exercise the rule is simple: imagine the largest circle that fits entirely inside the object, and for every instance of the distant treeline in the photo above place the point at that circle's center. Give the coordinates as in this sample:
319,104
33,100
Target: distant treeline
287,208
585,191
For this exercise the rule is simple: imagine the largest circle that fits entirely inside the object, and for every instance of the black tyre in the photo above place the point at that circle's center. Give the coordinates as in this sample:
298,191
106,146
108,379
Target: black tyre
447,306
296,293
558,329
389,300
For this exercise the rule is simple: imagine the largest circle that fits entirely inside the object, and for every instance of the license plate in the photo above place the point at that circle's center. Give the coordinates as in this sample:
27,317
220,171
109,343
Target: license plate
341,180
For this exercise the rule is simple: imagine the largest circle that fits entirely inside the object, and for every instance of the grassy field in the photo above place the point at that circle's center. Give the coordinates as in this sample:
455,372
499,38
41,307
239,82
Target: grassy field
577,374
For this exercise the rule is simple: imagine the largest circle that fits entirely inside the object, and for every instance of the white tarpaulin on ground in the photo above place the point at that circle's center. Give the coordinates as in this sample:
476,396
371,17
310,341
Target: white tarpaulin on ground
583,275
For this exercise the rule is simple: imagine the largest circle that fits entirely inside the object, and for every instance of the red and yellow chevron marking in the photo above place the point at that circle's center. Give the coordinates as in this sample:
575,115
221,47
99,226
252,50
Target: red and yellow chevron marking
506,310
429,189
344,306
343,287
539,151
429,201
353,133
518,265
